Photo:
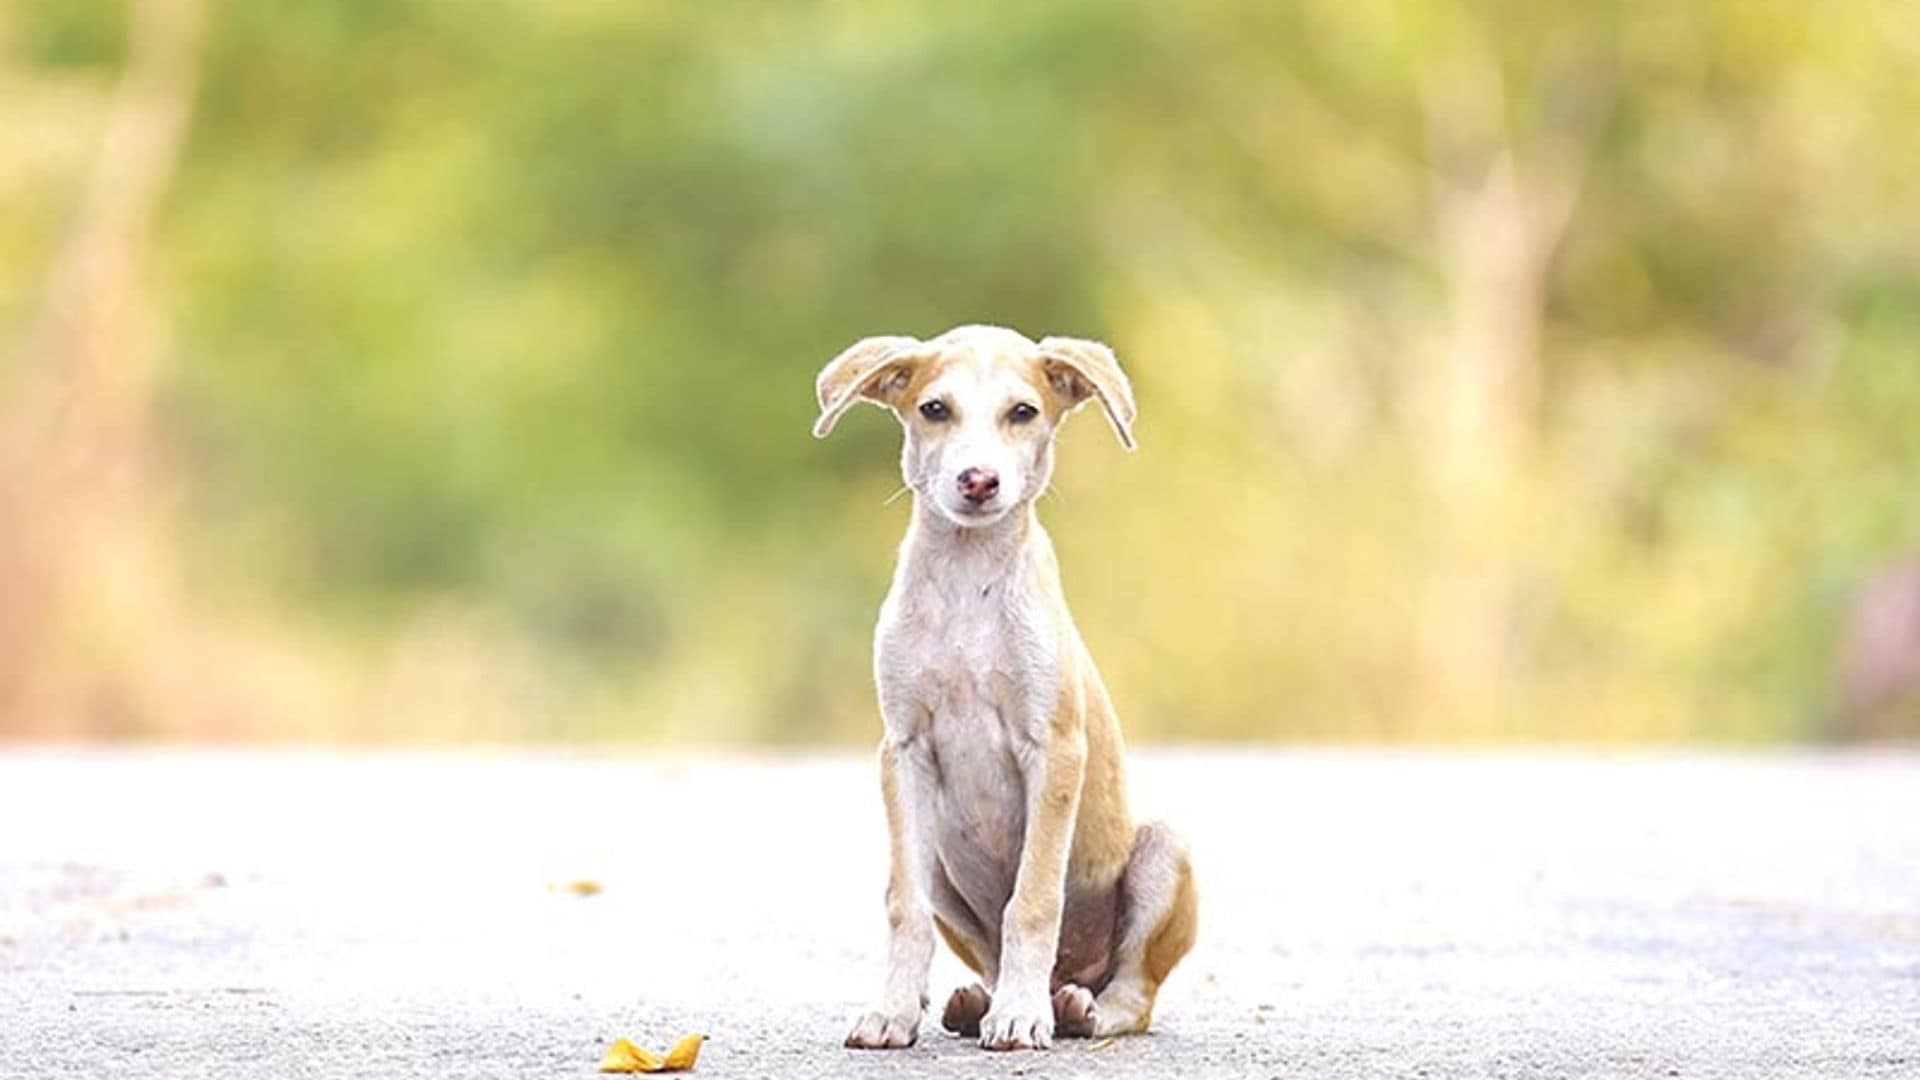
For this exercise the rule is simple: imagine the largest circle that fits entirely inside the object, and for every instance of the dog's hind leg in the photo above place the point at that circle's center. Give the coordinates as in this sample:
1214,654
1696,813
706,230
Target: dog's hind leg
970,942
1158,908
965,1008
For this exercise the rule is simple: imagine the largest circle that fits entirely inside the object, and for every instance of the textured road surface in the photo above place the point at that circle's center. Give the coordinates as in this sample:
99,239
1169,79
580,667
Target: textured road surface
288,914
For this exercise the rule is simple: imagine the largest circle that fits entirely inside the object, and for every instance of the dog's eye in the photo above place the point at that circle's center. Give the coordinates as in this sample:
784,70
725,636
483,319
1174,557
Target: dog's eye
935,411
1022,413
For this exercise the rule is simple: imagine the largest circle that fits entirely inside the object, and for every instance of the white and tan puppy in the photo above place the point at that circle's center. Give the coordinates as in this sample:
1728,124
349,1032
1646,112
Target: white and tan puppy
1001,765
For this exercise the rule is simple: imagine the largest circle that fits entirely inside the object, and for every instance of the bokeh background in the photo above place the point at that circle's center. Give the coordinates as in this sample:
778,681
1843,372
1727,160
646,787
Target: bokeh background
442,369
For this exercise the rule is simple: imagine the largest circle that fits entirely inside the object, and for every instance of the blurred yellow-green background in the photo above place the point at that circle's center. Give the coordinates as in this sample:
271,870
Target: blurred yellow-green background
442,369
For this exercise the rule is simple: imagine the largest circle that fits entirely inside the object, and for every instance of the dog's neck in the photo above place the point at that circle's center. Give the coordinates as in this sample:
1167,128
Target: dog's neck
936,546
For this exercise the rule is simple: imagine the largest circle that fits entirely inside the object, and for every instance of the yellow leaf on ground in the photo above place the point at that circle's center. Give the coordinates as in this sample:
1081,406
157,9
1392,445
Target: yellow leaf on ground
685,1053
624,1057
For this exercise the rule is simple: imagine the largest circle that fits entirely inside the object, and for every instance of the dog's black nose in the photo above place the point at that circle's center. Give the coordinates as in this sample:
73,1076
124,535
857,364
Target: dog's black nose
978,485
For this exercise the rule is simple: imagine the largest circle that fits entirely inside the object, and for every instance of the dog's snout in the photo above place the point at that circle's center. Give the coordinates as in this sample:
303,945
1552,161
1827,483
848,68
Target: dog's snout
978,485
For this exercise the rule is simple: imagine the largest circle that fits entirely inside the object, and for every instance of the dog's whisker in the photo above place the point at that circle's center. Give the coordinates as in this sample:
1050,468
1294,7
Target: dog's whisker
902,490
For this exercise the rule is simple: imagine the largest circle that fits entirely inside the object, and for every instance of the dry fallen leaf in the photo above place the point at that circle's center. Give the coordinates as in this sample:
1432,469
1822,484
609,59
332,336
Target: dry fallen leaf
624,1057
685,1052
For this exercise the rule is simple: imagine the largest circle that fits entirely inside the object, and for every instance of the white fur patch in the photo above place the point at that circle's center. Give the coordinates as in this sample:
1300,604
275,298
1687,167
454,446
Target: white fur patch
967,658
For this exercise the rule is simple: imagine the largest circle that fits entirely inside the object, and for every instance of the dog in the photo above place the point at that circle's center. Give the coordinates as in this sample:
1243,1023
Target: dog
1001,763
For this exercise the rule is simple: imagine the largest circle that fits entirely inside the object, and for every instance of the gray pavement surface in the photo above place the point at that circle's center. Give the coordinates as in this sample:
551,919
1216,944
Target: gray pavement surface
326,914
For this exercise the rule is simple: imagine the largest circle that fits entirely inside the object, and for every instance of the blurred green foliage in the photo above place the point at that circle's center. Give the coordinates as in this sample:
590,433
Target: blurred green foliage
492,327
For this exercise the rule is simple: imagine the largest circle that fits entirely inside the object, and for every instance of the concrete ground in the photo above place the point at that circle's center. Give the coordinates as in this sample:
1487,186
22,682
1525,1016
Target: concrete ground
280,914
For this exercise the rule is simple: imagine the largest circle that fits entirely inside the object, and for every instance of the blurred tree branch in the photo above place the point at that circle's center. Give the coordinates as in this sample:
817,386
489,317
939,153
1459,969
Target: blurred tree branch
77,514
1502,207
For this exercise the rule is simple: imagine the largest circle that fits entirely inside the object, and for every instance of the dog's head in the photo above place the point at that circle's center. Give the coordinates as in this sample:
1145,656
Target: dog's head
980,406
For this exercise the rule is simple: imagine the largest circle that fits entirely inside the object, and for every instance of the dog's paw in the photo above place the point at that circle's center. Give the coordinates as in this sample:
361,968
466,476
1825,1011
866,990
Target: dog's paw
1015,1024
1072,1012
964,1010
879,1030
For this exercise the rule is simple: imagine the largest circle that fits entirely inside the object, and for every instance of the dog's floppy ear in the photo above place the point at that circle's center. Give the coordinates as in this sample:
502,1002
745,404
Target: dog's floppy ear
1081,369
871,369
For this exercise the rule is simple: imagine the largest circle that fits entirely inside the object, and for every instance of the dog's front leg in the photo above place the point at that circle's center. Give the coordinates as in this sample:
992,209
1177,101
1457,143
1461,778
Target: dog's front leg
896,1023
1022,1012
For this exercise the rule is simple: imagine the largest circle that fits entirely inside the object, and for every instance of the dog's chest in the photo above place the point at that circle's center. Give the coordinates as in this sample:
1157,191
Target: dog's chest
967,679
964,656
